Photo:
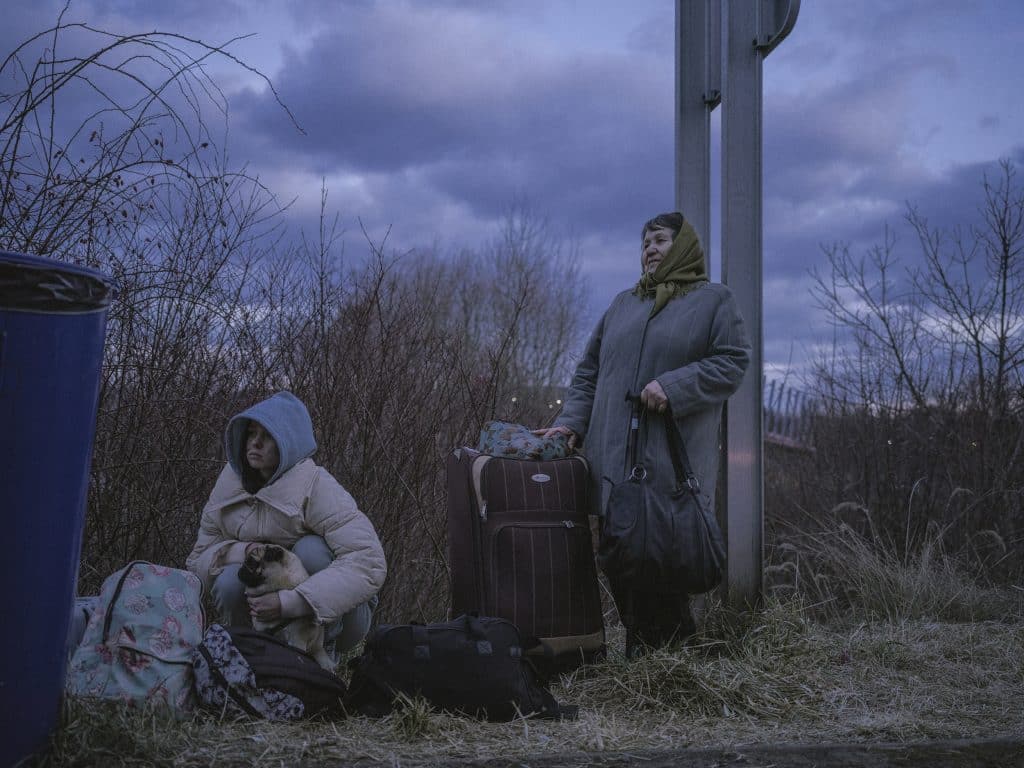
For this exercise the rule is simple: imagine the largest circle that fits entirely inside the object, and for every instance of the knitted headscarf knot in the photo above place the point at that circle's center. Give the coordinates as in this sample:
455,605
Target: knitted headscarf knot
682,270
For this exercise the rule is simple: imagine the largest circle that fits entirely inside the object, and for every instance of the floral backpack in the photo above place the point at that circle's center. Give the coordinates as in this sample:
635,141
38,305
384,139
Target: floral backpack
138,644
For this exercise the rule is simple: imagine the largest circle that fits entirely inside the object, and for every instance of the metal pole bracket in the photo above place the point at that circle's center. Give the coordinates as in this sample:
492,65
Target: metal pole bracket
775,21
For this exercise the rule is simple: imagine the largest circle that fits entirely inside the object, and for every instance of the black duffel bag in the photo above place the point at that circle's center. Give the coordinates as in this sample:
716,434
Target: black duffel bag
653,538
470,665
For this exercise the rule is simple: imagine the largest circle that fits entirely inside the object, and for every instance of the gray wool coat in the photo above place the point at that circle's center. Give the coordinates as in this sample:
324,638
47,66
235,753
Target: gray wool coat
696,348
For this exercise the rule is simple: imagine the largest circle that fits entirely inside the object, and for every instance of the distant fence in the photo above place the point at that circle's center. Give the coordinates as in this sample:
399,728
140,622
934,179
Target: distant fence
788,416
788,412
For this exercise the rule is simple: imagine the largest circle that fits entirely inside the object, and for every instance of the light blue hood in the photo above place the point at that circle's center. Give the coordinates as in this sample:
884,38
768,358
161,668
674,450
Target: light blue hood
285,417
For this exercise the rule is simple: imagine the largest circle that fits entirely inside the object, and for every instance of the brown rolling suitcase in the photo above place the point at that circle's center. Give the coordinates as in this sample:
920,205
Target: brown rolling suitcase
519,546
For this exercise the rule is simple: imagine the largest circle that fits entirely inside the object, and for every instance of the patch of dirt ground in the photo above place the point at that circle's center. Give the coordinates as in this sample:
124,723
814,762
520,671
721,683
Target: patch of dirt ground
961,753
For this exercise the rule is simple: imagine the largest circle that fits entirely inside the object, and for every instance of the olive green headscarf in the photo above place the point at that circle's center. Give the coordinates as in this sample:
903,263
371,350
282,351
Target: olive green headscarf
682,270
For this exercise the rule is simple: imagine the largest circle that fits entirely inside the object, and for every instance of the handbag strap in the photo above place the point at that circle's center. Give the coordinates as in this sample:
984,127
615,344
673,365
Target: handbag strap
685,476
637,419
680,458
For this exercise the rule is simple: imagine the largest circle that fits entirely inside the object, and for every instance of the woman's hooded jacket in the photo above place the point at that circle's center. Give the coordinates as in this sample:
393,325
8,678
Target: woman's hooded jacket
299,499
695,345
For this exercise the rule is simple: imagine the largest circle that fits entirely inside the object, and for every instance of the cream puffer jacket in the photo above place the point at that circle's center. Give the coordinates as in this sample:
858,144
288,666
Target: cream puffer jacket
303,500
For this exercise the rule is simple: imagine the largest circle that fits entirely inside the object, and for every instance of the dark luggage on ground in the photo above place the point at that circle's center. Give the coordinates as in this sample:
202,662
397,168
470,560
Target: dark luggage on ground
239,670
470,665
519,546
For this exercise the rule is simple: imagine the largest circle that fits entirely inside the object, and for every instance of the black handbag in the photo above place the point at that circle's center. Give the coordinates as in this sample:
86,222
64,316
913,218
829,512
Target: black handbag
471,665
655,539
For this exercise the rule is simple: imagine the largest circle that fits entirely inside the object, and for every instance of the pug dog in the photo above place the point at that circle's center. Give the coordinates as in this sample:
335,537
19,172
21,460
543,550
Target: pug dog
268,568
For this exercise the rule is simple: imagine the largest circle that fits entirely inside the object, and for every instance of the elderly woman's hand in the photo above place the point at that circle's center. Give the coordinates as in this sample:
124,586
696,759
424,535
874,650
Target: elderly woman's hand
654,398
559,430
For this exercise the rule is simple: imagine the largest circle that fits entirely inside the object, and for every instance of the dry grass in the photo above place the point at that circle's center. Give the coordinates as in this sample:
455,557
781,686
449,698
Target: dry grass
861,644
845,572
775,677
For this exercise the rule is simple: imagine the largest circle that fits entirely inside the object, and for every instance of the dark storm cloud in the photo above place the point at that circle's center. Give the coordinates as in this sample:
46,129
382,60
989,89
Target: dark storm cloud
164,12
948,201
94,26
478,121
844,155
835,172
434,117
20,22
188,17
381,91
443,108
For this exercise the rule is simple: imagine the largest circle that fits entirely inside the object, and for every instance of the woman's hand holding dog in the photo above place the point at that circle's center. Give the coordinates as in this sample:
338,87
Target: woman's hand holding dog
266,607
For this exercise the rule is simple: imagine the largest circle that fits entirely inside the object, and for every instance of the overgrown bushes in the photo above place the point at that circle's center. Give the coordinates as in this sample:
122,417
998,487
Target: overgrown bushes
920,424
400,357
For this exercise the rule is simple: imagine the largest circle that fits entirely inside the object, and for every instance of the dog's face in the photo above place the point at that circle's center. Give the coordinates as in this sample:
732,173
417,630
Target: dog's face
271,567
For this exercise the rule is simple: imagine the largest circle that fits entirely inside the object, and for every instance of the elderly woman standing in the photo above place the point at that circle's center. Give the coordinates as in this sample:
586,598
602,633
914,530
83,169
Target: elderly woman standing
679,340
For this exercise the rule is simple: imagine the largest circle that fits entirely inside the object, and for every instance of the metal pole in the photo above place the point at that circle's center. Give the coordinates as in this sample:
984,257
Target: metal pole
698,92
752,29
742,271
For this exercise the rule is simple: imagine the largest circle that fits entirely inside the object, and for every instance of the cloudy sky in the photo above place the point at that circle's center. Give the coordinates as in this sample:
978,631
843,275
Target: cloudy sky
431,117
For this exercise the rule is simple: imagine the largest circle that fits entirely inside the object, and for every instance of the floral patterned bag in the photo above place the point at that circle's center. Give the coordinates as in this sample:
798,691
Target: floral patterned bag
514,441
138,644
242,671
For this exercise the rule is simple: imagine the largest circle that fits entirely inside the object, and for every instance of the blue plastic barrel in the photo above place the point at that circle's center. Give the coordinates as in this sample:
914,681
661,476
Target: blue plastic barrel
52,325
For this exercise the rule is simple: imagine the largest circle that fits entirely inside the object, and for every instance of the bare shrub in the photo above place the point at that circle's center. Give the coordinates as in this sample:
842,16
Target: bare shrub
920,403
517,302
107,159
396,377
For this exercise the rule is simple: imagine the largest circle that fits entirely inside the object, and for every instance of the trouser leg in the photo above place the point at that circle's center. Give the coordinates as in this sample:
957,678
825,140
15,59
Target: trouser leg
228,597
653,619
663,618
